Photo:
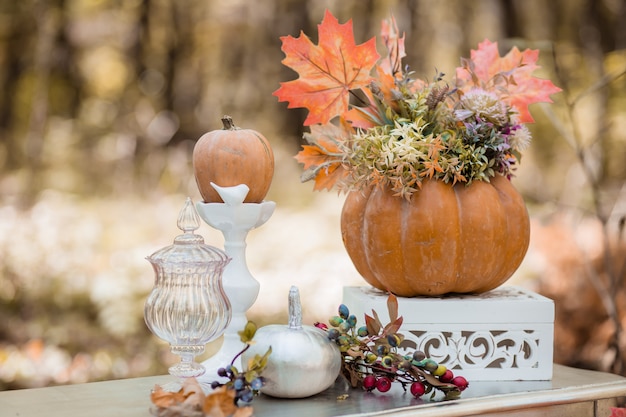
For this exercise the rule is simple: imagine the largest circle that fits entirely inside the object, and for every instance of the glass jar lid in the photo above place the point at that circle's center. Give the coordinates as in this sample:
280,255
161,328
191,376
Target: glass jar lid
189,247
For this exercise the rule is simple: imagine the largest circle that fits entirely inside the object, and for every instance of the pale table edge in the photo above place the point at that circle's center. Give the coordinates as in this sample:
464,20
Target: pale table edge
609,386
508,402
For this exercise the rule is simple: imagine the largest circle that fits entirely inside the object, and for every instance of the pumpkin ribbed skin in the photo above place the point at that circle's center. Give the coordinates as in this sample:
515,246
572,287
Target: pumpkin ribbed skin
447,239
230,157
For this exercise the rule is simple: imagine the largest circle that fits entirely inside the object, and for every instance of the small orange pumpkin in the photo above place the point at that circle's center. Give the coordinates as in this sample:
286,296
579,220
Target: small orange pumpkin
233,156
447,239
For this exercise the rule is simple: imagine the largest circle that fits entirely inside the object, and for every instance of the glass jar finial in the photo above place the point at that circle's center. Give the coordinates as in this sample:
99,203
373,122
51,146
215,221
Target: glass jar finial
188,222
188,219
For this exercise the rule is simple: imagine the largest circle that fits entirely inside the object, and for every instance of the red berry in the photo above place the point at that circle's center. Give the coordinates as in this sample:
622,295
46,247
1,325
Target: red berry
460,382
383,384
447,376
417,389
322,326
369,382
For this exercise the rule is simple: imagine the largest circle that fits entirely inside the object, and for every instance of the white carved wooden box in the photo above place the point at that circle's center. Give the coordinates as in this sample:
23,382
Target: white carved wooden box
503,335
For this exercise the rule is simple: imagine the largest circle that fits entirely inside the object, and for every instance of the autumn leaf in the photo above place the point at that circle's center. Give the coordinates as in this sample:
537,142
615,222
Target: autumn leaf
328,175
186,402
431,379
193,392
257,364
356,354
392,307
326,139
190,393
221,403
392,63
373,114
190,401
373,325
327,71
243,412
322,158
247,334
393,327
487,69
164,399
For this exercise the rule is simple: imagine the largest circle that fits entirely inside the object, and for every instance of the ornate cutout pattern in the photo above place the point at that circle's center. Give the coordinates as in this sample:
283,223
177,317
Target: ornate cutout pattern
482,349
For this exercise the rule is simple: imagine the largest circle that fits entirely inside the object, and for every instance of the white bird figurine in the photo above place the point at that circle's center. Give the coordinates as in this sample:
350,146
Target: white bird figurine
232,196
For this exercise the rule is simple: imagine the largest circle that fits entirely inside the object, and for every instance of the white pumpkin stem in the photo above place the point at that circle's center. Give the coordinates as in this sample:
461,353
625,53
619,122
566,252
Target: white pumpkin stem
295,309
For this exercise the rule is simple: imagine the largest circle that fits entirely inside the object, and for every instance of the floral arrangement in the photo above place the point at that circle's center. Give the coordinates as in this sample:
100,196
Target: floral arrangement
391,129
372,361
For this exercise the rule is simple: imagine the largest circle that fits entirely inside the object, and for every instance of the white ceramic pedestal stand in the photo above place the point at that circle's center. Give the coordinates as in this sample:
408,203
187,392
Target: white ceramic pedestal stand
506,334
234,219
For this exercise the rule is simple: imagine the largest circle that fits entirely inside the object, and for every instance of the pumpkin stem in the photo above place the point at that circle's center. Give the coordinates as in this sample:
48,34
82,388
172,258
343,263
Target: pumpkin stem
295,309
228,123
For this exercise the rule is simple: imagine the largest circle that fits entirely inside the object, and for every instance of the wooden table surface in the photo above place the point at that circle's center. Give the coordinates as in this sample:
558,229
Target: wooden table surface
571,392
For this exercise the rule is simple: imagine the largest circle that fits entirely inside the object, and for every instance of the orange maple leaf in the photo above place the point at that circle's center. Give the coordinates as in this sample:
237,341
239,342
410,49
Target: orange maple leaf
486,69
327,72
322,158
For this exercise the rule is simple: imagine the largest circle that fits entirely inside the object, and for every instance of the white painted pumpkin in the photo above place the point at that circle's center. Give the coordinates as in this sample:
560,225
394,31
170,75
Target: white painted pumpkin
304,362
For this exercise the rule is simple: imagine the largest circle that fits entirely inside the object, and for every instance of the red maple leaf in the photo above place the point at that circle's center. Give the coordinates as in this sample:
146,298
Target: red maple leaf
487,69
327,72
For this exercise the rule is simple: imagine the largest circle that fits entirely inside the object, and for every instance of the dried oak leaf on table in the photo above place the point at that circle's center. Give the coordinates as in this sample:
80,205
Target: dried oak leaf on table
190,401
221,403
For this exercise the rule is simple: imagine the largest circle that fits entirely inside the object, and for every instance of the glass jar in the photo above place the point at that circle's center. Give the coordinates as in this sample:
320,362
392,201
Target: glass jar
187,306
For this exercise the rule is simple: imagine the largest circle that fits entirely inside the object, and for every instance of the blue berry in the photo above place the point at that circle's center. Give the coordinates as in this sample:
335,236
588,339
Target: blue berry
245,395
335,321
345,326
344,312
387,361
382,350
430,365
343,340
239,384
394,340
256,383
333,334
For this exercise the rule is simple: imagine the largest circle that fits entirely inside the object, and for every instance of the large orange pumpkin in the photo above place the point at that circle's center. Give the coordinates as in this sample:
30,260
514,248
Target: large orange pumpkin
230,157
447,239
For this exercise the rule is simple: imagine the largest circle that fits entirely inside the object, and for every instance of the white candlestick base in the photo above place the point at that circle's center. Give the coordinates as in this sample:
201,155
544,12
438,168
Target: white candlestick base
234,219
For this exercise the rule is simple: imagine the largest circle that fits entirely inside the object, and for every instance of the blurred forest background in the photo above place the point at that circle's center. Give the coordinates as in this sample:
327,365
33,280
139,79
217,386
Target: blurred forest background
101,102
